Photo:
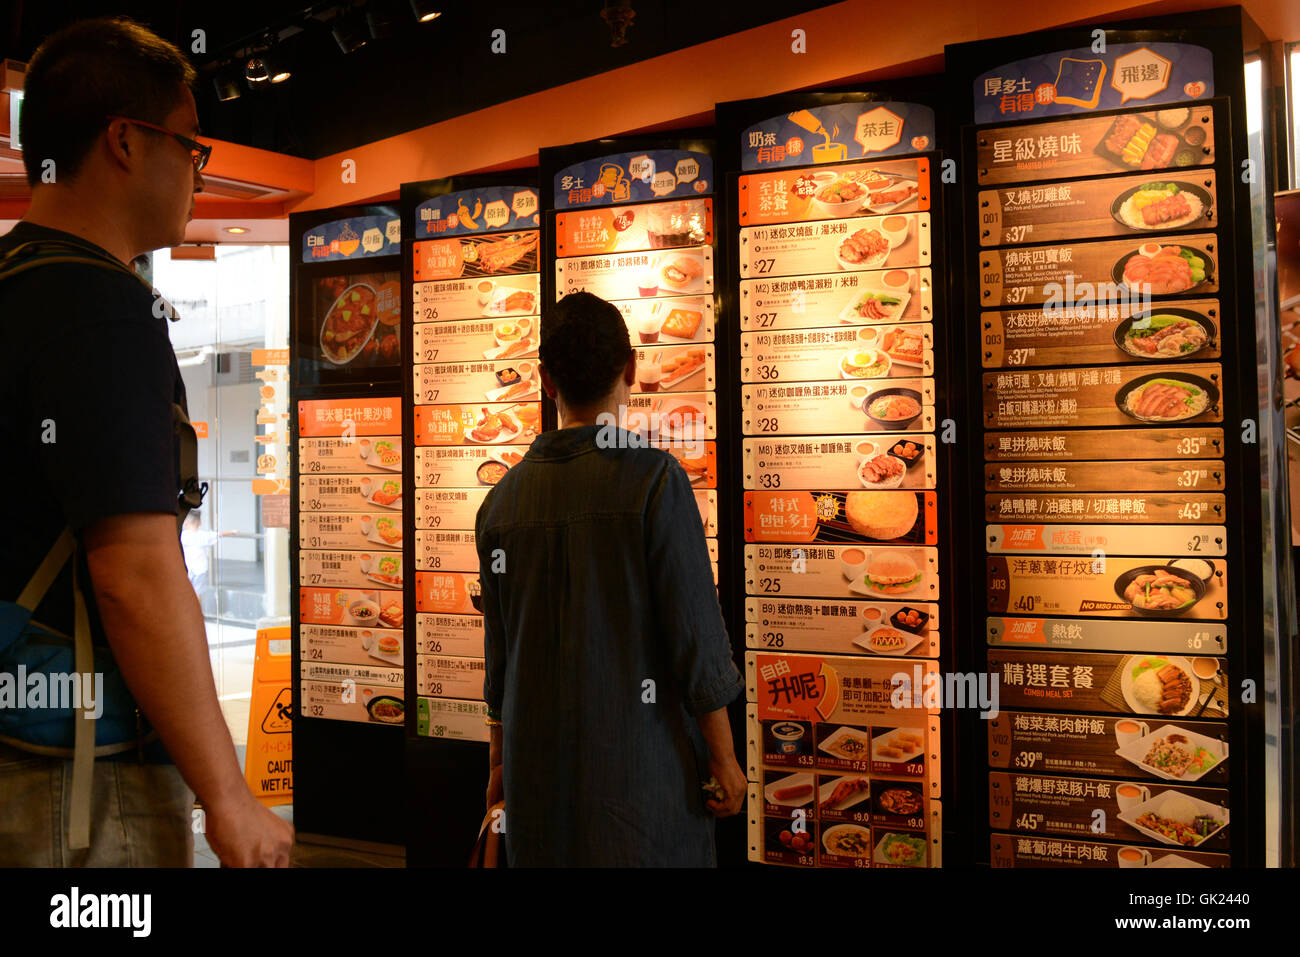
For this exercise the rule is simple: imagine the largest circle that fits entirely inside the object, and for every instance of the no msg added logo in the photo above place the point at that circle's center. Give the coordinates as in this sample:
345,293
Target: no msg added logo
75,910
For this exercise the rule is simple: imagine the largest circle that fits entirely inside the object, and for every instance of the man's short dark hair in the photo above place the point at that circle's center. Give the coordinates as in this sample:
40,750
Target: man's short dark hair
584,347
86,72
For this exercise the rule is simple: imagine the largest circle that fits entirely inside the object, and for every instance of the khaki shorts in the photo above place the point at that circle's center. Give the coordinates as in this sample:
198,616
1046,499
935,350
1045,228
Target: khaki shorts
141,814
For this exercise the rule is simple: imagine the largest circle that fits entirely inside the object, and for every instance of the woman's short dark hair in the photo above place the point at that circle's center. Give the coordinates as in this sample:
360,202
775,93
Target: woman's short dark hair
86,72
584,347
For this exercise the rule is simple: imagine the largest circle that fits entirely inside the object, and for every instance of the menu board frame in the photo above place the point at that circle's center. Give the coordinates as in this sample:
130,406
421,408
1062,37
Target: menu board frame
1229,35
324,801
733,120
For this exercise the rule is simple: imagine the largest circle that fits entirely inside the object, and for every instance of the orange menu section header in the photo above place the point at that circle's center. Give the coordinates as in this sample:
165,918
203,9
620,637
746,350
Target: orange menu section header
270,357
365,417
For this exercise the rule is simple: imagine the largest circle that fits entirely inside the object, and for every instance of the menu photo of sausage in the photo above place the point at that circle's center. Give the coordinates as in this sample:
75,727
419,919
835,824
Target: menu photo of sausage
1179,139
886,628
838,298
831,192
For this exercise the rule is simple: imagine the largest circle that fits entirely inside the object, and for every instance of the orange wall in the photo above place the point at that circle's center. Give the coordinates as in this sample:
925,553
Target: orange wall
850,40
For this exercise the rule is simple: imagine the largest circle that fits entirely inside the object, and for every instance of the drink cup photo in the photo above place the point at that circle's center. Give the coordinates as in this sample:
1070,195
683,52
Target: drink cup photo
1133,857
647,282
1131,795
485,287
858,395
1127,731
648,327
649,371
853,561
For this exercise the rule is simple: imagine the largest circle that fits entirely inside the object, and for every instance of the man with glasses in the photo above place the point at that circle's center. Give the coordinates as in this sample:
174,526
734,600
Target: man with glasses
88,380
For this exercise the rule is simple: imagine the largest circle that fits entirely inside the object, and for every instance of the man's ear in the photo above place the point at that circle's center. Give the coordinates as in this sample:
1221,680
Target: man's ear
629,370
547,385
118,138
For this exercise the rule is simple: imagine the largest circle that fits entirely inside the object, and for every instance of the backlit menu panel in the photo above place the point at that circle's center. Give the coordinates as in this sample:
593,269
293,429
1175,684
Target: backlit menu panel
837,354
1100,297
476,298
351,569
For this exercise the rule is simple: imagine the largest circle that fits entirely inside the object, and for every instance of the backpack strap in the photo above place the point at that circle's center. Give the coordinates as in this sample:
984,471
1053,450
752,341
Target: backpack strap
49,252
83,749
47,571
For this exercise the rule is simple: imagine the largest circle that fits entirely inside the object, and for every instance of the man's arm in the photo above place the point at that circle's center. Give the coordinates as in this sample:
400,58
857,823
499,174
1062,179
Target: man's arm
155,628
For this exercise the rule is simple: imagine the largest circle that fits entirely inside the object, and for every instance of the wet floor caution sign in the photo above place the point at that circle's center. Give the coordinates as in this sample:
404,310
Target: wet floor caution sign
268,762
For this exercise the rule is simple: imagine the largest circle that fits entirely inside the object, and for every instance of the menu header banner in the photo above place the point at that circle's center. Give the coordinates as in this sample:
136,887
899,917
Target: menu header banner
632,177
827,134
477,210
358,237
1082,80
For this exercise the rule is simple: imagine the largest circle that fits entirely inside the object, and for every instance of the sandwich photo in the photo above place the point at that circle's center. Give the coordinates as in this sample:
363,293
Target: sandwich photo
891,573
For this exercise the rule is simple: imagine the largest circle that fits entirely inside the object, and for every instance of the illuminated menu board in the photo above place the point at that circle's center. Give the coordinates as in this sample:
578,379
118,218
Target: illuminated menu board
351,612
1100,298
655,261
836,253
475,300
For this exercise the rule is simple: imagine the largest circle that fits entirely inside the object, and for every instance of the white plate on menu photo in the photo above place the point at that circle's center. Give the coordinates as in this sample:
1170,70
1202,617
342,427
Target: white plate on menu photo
503,394
849,744
372,455
503,437
828,788
801,780
513,350
874,205
511,301
874,304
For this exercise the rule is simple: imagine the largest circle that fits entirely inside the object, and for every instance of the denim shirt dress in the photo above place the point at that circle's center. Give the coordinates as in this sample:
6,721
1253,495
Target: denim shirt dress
603,638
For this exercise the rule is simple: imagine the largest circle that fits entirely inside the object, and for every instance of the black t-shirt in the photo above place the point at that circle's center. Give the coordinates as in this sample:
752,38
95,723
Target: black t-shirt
87,382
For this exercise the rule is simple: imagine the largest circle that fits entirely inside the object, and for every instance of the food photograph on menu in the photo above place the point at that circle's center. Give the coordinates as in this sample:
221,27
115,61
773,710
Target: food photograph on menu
358,320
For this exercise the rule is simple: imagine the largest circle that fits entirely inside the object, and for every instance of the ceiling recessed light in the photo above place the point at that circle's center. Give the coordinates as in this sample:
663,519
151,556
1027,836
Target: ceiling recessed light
236,229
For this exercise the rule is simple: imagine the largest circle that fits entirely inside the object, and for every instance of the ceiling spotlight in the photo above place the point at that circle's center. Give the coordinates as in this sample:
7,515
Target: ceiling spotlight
236,229
381,22
280,74
226,83
426,10
351,32
256,72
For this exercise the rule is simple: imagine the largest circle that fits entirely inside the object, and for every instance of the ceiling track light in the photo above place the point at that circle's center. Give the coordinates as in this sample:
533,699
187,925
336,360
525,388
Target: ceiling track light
351,31
227,84
426,10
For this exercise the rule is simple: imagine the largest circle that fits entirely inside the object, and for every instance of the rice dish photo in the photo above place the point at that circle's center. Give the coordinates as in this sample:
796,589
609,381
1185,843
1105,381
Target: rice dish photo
1160,206
1176,756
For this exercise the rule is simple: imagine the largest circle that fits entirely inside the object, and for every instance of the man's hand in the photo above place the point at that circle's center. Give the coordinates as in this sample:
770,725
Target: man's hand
735,786
153,623
247,834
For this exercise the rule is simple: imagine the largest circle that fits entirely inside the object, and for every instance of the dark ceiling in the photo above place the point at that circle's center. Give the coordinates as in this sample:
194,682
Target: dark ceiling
424,73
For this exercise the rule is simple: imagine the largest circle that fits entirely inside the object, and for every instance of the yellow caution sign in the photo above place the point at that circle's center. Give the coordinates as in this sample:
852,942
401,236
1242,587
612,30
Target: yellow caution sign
268,762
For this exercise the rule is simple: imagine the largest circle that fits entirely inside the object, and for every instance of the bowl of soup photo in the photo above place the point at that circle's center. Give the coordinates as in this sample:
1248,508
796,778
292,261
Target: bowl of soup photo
893,409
